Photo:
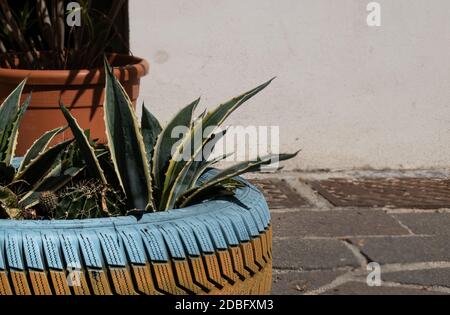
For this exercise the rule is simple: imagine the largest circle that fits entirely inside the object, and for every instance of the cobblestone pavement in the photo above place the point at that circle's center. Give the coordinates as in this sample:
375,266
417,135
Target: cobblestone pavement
323,249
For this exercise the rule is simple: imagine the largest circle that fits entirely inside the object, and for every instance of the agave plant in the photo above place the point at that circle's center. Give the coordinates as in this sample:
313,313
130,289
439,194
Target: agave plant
43,168
152,176
137,171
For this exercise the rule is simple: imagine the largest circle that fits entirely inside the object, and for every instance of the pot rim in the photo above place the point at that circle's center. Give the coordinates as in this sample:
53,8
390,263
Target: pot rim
134,69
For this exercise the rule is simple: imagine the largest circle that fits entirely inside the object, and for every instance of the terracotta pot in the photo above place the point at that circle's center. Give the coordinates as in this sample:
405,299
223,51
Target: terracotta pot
82,91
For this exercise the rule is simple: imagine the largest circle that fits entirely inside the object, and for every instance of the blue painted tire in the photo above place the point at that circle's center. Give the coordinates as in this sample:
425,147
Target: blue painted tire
217,247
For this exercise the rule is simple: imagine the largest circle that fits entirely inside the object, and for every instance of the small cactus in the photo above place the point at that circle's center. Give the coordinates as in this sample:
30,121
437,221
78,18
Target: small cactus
48,201
89,200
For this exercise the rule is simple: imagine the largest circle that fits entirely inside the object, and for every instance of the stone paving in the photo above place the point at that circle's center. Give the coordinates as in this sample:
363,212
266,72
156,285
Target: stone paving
322,249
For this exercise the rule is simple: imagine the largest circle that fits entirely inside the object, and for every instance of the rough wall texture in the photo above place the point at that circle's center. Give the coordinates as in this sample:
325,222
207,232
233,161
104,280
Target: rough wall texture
350,95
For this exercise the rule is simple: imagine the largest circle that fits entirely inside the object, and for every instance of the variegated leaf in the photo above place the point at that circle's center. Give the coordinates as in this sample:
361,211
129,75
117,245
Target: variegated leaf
127,145
231,172
10,116
41,165
39,146
163,150
151,129
87,151
179,167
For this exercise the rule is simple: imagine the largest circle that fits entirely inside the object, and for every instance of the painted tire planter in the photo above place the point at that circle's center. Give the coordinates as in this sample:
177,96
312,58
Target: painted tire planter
217,247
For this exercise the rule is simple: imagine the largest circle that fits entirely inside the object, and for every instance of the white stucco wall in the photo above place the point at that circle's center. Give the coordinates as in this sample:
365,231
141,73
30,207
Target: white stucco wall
349,95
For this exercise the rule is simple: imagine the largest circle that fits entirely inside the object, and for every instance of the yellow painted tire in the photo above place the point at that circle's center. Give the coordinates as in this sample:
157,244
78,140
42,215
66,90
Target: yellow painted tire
217,247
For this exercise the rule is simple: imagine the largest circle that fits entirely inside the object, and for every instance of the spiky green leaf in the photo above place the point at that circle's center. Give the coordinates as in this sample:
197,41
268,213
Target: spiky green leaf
127,145
202,160
166,142
10,107
187,177
39,146
151,129
10,116
12,143
223,111
229,173
205,166
42,164
88,152
180,167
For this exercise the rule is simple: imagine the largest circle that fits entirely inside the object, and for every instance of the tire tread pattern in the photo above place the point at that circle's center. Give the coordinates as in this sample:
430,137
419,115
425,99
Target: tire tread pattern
217,247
